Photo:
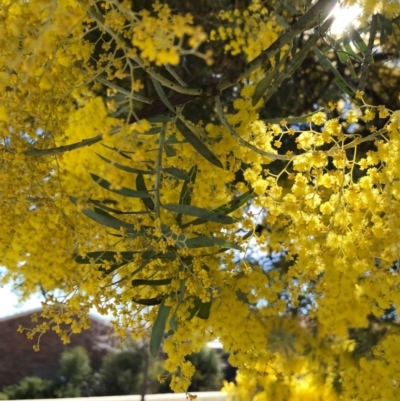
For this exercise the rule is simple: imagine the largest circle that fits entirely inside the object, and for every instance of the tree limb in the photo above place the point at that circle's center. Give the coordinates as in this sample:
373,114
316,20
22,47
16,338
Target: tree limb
368,54
309,20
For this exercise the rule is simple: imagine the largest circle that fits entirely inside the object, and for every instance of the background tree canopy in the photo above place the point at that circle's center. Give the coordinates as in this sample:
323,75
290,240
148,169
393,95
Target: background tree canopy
210,169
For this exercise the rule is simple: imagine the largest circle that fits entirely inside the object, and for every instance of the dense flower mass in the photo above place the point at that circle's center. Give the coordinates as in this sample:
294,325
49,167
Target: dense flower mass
141,176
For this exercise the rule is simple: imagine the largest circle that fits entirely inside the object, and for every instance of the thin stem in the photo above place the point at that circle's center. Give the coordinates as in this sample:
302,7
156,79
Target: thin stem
128,94
165,81
308,21
175,75
99,19
368,54
242,141
66,148
157,186
298,58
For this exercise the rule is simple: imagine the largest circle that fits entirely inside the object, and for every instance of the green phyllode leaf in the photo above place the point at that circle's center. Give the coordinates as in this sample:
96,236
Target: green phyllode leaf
141,186
204,214
157,332
125,168
160,92
185,197
340,82
197,143
152,283
225,209
105,219
130,193
173,323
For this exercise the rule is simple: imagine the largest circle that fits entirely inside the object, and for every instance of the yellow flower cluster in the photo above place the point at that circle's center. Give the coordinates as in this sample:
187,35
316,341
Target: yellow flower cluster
126,216
249,32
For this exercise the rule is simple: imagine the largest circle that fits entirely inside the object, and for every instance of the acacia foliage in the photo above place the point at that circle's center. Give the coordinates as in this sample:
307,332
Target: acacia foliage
141,152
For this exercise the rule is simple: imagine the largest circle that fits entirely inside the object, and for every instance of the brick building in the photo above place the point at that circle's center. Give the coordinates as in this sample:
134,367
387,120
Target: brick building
19,360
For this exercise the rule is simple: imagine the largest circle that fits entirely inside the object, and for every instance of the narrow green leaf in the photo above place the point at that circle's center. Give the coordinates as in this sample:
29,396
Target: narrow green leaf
295,46
205,241
112,268
343,57
358,41
176,172
265,83
292,120
185,197
111,209
103,256
204,214
147,259
152,283
349,49
150,256
261,88
158,329
172,140
241,296
169,151
329,66
204,310
173,323
151,131
197,143
195,309
342,85
141,186
248,235
361,45
187,187
106,219
160,92
227,208
147,301
120,152
130,193
351,69
125,168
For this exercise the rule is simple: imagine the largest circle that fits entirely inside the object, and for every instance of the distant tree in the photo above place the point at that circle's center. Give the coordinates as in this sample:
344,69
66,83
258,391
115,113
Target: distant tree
30,388
121,373
75,370
75,380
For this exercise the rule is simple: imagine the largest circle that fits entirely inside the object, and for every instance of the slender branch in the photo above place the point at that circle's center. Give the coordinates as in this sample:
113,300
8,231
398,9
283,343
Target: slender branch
157,185
175,75
292,120
298,58
128,94
242,141
165,81
99,19
66,148
308,21
357,141
368,53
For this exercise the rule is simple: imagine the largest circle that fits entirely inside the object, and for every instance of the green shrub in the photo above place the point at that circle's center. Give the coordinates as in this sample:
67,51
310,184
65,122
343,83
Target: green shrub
121,373
30,388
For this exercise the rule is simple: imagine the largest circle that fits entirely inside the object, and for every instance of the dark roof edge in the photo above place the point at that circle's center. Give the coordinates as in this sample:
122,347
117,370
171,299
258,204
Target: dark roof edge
39,310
